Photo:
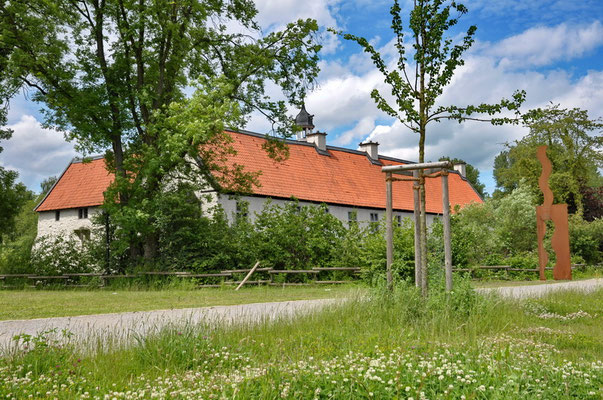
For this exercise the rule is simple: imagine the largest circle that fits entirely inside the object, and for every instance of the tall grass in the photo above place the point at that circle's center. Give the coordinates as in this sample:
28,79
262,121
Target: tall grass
377,343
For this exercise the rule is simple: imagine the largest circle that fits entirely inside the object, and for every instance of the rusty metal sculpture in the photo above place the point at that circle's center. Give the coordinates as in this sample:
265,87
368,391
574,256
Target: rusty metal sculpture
558,214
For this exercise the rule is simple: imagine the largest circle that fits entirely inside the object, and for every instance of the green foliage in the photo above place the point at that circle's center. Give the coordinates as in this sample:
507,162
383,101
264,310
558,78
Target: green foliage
47,184
13,195
373,253
515,217
574,148
114,74
503,232
46,354
473,234
15,253
297,237
586,239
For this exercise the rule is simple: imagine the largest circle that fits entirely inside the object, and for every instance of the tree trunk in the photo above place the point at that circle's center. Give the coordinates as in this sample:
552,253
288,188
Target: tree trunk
423,234
150,247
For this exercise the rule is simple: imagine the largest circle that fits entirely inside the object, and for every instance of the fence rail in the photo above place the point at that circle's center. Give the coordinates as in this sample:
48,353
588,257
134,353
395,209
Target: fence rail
510,268
206,280
269,276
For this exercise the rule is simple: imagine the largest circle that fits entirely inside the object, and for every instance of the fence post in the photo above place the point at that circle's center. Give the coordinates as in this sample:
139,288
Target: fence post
446,221
417,215
389,230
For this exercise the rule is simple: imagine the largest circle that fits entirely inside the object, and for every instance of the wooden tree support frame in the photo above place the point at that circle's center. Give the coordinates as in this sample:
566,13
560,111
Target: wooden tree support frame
420,264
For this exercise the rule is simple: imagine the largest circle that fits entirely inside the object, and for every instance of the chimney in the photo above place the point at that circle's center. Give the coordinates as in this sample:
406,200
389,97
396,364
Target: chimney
370,148
462,169
318,138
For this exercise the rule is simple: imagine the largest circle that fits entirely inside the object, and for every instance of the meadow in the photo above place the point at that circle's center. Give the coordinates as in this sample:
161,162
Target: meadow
376,345
70,302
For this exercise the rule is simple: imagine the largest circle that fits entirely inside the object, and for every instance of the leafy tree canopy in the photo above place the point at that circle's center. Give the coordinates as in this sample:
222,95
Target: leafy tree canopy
575,149
118,74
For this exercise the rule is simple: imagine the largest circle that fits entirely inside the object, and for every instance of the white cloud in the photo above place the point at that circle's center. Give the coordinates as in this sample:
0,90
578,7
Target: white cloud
275,14
358,132
343,97
544,45
36,153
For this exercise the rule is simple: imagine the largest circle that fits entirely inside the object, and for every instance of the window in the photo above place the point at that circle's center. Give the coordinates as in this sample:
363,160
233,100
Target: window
374,222
83,213
352,218
398,219
57,215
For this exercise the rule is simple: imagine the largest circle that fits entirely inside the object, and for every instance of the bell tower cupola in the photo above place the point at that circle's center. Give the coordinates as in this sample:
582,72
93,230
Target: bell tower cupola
305,121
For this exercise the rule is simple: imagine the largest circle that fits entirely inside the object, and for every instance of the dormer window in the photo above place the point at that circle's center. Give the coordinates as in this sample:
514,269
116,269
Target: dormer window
82,213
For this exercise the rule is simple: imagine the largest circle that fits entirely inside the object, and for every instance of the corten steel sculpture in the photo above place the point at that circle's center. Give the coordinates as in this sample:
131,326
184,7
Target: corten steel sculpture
558,214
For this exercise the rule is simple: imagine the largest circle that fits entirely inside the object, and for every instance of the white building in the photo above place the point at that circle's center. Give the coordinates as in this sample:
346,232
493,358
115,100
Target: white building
349,182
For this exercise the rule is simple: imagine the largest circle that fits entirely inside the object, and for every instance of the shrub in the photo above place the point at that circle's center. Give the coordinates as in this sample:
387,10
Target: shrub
60,255
374,257
586,239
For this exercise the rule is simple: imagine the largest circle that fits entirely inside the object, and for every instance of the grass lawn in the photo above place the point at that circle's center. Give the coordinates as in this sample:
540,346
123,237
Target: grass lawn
590,273
27,304
449,346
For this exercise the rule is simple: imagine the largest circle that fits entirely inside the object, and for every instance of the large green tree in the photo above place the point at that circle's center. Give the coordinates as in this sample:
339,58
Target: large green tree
575,148
13,195
425,66
117,75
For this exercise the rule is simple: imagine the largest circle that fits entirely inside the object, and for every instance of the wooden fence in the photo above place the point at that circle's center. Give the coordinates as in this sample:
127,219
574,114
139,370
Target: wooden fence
262,276
515,269
269,276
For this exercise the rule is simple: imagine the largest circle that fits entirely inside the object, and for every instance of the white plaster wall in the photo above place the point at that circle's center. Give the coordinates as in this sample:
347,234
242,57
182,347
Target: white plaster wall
256,205
66,225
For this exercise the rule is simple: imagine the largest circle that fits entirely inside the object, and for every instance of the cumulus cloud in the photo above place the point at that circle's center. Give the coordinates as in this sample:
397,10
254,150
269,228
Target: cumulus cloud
275,14
36,153
544,45
366,124
343,96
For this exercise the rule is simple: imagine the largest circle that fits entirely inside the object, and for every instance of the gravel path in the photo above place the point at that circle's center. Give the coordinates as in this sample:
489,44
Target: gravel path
125,327
520,292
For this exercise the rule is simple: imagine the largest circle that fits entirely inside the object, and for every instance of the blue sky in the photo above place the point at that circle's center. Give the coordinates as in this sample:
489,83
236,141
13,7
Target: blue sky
552,49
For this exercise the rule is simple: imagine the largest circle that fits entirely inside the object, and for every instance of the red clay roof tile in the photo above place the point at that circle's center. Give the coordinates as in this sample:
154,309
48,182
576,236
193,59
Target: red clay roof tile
343,177
81,185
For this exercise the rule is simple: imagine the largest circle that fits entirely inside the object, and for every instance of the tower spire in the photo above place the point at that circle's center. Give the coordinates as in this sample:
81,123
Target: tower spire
305,121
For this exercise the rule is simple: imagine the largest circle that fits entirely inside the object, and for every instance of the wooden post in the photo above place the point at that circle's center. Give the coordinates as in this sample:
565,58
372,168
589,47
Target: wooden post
423,235
446,221
389,230
248,275
417,212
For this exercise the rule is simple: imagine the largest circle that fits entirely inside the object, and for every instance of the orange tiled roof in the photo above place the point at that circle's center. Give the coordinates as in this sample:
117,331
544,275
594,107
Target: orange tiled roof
345,177
81,185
